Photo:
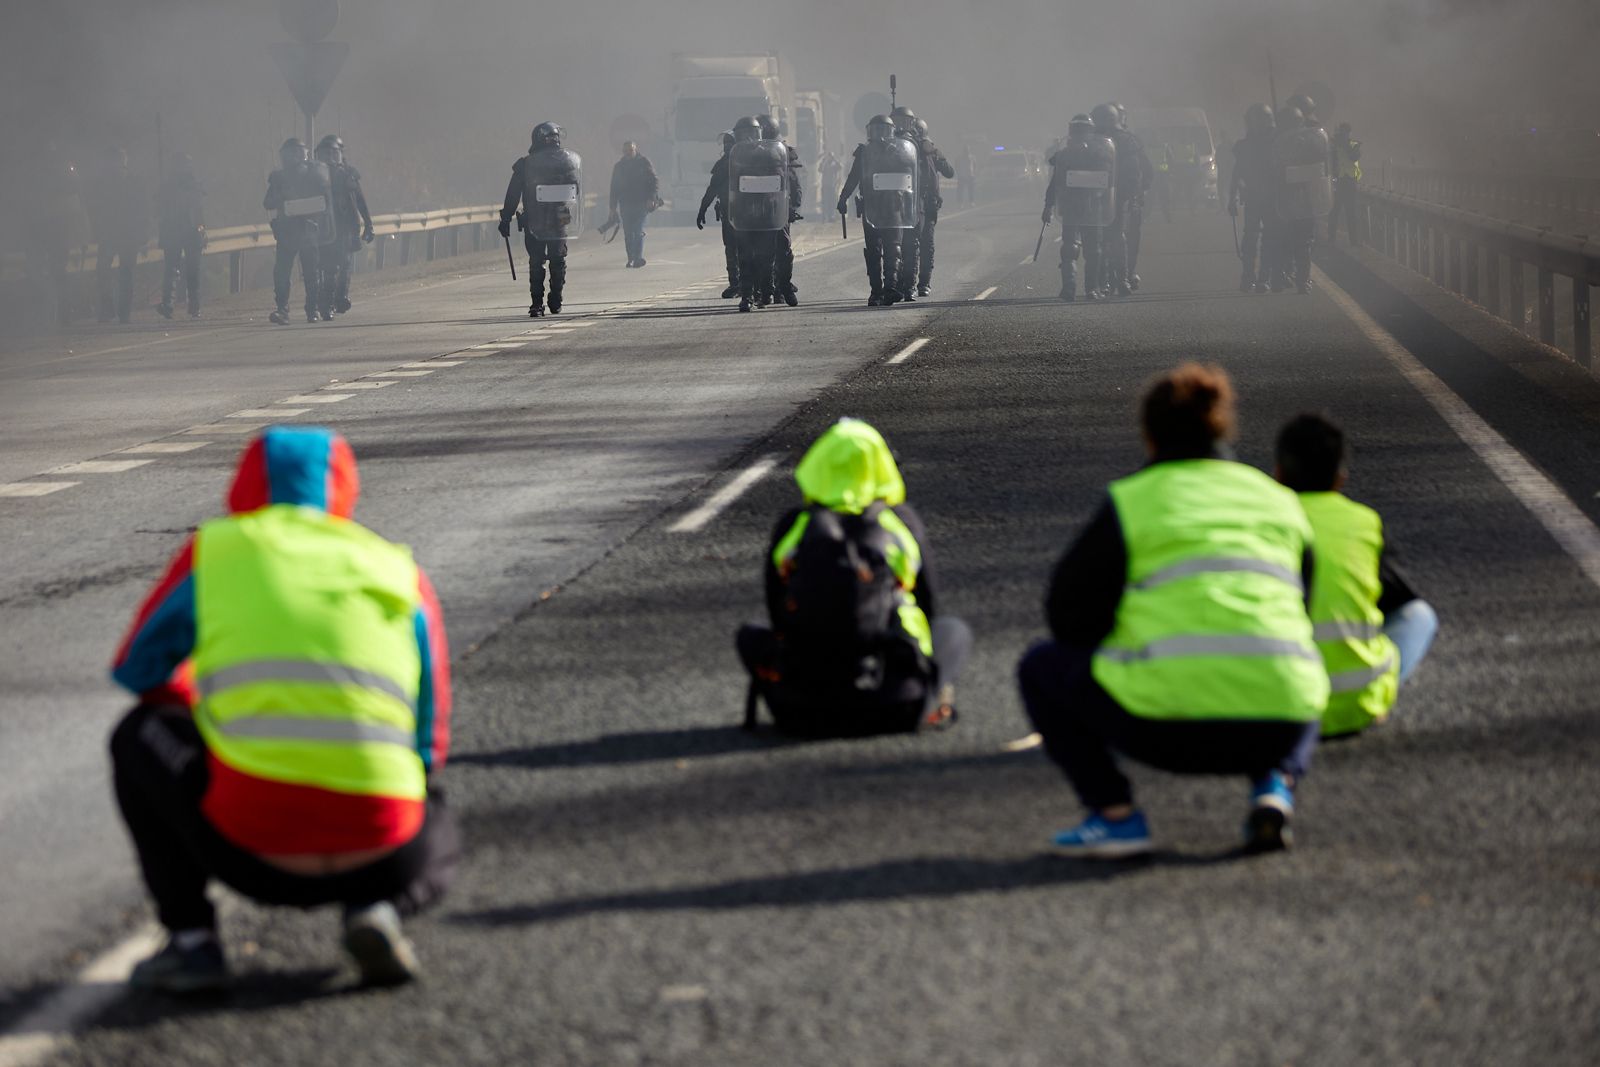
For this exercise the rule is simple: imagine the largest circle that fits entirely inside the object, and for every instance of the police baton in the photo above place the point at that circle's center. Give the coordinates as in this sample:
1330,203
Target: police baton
510,258
1040,242
844,225
1236,249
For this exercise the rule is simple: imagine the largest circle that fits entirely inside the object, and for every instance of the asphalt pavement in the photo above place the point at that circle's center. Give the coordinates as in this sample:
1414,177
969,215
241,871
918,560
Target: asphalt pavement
649,884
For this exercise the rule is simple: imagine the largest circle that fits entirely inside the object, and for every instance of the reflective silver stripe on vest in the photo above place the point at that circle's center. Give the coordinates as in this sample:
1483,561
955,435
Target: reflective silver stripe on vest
1220,565
299,728
1346,631
1354,681
297,670
1211,645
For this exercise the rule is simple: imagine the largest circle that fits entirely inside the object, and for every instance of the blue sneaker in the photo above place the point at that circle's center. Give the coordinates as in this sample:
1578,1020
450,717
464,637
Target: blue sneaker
1266,828
1106,839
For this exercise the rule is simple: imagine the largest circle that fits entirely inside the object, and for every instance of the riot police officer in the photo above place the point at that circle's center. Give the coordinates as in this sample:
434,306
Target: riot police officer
351,219
1131,152
1254,184
300,194
1304,191
783,255
885,170
717,193
1133,167
905,127
181,230
934,166
1083,190
760,204
548,182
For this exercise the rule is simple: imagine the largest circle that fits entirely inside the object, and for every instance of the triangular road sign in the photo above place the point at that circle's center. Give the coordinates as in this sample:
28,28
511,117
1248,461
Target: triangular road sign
309,68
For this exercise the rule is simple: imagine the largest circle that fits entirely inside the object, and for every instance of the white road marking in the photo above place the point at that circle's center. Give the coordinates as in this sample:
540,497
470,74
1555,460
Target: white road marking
987,293
1025,262
557,329
580,324
470,354
432,363
701,516
225,427
1022,744
357,385
1559,516
33,488
493,344
399,374
164,447
316,398
908,351
45,1029
268,413
101,466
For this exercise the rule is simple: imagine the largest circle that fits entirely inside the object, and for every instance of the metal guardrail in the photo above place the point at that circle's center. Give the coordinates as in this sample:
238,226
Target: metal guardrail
1488,261
1567,203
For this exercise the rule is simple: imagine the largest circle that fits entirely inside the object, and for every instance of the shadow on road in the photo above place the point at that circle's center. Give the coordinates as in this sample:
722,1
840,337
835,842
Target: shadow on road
639,747
930,878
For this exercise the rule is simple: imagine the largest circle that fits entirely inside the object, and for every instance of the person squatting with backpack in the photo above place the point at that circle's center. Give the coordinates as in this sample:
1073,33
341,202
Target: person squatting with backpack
856,645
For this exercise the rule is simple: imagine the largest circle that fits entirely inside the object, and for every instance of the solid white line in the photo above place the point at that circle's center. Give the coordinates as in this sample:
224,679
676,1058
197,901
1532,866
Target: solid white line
225,427
432,363
316,398
164,447
268,413
398,374
356,385
44,1030
101,466
580,324
1556,513
908,351
701,516
986,293
33,488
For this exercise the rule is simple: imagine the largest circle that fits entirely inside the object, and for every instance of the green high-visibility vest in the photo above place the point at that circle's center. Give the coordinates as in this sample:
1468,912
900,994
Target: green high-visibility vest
1212,623
306,659
1363,664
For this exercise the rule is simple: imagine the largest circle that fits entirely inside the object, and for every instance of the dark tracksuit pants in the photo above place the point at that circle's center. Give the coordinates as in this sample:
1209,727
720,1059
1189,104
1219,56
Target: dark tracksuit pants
1084,728
116,294
160,773
783,262
883,258
730,251
896,708
633,216
1344,202
1084,239
758,251
310,274
183,260
1256,238
930,220
1292,254
1133,236
539,253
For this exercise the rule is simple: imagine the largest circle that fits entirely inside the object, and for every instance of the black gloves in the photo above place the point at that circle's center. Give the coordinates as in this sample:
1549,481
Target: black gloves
700,221
505,228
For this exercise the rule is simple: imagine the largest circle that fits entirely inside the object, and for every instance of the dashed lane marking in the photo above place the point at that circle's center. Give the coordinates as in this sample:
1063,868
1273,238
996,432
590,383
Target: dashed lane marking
986,293
45,1029
580,324
268,413
557,329
399,374
357,385
163,447
33,488
908,351
1023,744
432,363
239,428
316,398
701,516
1025,261
101,466
1571,529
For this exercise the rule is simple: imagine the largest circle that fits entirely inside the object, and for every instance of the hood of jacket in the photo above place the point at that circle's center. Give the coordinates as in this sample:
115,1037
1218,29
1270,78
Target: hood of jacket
305,465
849,468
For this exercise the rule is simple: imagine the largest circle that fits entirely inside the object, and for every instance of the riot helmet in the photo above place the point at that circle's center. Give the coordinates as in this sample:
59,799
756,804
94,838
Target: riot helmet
1305,105
880,128
769,127
1258,119
727,141
292,153
1290,118
903,118
1104,117
922,127
1122,113
747,129
1079,128
547,135
331,149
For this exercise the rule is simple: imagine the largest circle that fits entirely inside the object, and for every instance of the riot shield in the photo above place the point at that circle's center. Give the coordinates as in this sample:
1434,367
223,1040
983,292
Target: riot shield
552,197
1305,191
1086,182
306,217
890,182
758,186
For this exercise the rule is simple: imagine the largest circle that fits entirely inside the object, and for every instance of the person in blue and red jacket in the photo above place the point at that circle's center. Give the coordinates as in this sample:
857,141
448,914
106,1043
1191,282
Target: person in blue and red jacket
294,707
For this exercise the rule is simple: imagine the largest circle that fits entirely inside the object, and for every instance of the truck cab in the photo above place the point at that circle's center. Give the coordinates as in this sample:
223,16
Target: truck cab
710,94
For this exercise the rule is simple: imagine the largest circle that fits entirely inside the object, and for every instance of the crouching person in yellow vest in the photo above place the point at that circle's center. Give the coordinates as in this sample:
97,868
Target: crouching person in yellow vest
857,645
294,706
1181,638
1370,627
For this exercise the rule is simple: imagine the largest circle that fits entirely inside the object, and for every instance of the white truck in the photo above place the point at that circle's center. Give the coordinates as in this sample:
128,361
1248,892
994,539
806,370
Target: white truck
818,128
710,94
